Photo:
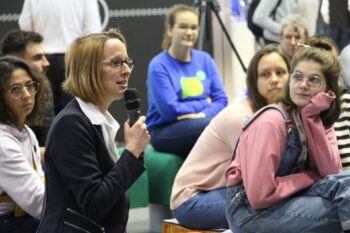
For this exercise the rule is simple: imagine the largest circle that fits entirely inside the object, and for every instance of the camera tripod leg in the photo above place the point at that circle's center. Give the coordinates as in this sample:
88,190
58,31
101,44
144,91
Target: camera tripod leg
202,26
229,39
205,7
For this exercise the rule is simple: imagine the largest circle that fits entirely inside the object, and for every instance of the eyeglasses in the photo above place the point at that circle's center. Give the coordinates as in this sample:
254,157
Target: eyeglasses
290,37
312,81
185,27
117,63
16,91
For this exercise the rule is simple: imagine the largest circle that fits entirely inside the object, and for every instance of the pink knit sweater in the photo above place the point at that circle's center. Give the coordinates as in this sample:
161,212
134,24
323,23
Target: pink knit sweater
204,167
260,148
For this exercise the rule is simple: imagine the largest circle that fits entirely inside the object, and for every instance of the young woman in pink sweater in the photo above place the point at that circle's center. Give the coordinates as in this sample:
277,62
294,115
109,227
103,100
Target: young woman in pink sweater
286,184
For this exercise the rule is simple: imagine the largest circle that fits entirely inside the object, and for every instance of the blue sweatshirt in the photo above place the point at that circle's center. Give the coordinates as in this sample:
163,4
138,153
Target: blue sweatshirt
176,88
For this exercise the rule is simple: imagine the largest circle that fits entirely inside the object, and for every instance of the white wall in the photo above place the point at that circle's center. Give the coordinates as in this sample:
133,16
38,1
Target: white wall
227,62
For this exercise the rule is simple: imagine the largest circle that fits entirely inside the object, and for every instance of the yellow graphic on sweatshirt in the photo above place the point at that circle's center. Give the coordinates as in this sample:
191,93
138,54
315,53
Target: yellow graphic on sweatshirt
192,86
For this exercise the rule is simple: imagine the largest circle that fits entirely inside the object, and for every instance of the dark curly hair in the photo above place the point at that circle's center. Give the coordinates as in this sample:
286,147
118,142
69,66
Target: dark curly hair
8,64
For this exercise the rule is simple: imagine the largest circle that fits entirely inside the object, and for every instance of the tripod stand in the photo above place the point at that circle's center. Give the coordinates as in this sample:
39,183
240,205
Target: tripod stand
205,7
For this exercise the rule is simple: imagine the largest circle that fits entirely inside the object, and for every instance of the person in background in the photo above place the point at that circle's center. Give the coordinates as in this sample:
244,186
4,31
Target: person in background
342,126
28,46
285,174
345,62
21,175
322,41
309,9
336,15
199,192
294,32
86,180
271,24
184,87
59,22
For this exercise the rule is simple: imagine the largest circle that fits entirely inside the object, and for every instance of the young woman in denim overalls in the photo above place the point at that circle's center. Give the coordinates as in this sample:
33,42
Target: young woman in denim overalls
285,177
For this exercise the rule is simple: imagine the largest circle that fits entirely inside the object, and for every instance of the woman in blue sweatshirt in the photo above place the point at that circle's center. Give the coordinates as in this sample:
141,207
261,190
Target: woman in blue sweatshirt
184,87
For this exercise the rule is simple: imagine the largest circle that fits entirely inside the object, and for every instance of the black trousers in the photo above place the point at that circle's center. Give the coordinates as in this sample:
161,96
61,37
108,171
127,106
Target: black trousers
10,224
56,76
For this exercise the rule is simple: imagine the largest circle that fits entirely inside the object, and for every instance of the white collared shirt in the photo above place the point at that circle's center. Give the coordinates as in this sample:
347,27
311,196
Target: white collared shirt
109,125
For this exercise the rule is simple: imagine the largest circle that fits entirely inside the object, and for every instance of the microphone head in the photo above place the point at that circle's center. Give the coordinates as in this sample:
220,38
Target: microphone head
131,99
130,94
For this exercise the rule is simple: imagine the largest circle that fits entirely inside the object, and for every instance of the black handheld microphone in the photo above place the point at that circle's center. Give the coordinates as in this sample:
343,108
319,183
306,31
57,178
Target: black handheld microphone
132,104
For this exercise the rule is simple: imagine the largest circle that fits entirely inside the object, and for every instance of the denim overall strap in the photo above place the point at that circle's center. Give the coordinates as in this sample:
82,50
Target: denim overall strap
291,153
300,128
256,114
261,110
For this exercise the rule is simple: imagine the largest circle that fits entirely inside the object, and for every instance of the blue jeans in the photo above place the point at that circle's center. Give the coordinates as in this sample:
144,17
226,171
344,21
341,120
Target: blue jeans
323,208
178,137
10,224
206,210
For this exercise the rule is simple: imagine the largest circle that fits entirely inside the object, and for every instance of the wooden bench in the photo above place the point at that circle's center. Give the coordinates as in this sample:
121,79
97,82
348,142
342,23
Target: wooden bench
172,226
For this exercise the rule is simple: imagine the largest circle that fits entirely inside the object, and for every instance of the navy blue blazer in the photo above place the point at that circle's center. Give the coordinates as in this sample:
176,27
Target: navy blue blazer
85,189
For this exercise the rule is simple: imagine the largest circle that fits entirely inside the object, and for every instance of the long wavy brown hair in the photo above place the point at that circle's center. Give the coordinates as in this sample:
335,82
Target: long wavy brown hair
8,64
258,101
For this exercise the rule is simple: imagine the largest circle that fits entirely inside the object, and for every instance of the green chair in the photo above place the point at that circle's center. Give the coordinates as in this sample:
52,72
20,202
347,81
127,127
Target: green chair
161,169
154,187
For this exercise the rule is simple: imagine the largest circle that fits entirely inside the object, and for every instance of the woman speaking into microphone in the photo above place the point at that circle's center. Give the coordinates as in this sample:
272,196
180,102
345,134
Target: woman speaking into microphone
86,180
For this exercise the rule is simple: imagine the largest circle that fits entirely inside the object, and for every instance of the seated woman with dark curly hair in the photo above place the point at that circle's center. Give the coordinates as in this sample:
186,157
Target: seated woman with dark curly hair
21,175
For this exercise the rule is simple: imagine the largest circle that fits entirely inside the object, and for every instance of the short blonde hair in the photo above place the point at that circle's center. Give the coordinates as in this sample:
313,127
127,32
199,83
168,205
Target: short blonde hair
83,65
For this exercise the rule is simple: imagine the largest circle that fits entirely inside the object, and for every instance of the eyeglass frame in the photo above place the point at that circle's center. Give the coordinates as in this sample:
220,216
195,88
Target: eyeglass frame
310,84
186,27
26,87
116,62
290,37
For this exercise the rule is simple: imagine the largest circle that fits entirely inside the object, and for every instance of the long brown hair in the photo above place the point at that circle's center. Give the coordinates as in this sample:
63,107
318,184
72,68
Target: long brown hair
330,67
257,100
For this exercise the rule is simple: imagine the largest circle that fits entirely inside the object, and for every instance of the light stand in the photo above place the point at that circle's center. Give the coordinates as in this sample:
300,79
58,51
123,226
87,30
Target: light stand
205,7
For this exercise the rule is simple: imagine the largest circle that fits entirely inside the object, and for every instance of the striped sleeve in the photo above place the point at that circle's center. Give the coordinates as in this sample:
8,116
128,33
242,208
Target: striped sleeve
342,130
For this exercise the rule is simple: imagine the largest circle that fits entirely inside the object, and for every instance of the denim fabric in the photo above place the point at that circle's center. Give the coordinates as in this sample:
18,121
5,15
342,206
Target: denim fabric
178,137
206,210
322,208
289,161
10,224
